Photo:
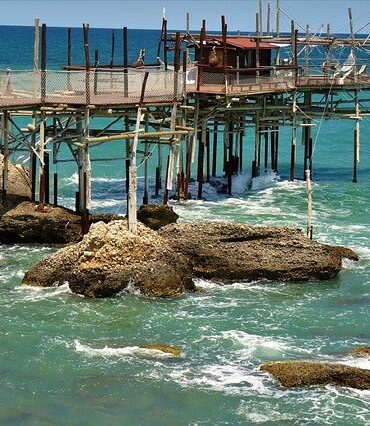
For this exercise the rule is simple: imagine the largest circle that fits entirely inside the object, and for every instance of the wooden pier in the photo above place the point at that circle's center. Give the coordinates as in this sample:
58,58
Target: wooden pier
188,110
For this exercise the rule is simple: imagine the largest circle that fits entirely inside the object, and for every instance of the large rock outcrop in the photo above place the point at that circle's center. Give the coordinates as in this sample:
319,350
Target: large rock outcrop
24,224
229,251
110,259
299,374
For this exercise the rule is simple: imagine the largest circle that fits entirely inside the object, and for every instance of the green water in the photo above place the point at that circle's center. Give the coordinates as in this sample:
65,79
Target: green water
69,360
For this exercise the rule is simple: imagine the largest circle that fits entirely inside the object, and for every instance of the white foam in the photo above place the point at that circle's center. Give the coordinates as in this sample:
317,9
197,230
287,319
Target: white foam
264,181
34,294
262,347
127,351
130,289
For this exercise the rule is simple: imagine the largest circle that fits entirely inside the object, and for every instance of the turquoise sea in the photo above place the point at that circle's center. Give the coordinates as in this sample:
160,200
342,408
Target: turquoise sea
69,360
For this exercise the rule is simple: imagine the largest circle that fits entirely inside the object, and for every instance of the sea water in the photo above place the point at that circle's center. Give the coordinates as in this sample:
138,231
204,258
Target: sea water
65,359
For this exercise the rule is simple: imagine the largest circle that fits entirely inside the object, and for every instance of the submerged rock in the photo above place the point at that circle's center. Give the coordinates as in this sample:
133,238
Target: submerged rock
163,348
361,351
298,374
230,251
110,258
156,216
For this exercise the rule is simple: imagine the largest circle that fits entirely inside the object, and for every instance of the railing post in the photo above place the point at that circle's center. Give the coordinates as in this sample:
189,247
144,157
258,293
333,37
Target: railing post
87,62
43,63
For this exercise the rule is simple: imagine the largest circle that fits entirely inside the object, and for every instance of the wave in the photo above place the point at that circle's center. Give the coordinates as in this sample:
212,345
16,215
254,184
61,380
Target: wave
124,352
34,294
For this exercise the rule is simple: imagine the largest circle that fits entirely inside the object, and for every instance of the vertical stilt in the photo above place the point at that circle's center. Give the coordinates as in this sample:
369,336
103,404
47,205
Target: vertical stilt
33,158
230,162
5,150
47,177
86,171
266,138
40,207
356,139
214,148
241,142
208,156
132,193
201,160
146,160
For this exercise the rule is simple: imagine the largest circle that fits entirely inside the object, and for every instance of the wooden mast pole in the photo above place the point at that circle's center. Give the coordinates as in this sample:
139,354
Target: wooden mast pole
132,192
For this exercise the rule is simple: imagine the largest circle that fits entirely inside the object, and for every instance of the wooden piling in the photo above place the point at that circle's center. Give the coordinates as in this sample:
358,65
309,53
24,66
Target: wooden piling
47,177
200,176
214,148
41,155
5,151
230,162
132,193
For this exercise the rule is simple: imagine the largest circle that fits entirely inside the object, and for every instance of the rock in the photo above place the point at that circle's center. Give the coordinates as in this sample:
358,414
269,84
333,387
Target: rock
110,259
155,216
163,348
24,224
361,351
56,225
298,374
19,183
230,251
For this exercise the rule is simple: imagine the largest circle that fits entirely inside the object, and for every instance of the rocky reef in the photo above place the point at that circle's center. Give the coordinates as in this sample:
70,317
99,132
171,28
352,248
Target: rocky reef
110,259
303,373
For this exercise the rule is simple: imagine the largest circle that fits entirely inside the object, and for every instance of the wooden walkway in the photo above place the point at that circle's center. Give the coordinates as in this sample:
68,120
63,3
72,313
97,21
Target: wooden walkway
113,89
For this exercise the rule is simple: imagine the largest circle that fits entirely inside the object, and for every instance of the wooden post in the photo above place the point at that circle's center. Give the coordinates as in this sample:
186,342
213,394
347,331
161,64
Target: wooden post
33,158
214,148
125,61
40,207
201,160
241,141
266,139
5,150
36,42
55,186
356,139
309,205
296,57
260,30
257,148
69,56
230,162
268,19
86,174
112,49
87,62
257,47
208,156
127,152
146,160
96,63
43,63
165,58
307,51
132,193
47,177
277,18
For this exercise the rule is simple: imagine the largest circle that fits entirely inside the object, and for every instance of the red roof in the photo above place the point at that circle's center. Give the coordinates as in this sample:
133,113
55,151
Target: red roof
246,43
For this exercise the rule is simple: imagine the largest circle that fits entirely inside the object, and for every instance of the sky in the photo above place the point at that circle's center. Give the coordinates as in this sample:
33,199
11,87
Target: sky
240,14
